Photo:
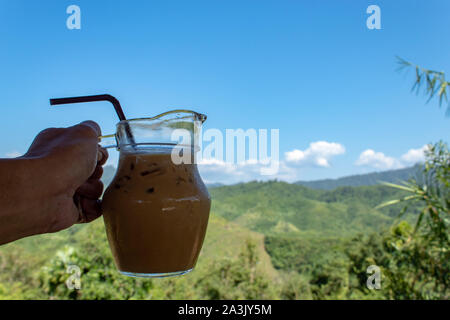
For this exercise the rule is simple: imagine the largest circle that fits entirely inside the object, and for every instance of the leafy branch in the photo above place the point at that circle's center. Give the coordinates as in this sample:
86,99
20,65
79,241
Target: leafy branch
433,190
434,80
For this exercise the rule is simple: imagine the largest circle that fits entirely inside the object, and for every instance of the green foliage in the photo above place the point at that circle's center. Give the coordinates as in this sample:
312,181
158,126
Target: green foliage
16,280
330,281
295,286
433,191
418,269
99,278
419,262
434,81
302,254
363,251
410,268
239,278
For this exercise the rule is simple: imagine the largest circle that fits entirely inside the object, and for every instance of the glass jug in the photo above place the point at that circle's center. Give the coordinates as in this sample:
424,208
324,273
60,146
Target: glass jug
156,209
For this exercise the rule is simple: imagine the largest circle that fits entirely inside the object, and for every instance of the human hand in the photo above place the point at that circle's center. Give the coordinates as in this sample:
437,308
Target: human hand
71,168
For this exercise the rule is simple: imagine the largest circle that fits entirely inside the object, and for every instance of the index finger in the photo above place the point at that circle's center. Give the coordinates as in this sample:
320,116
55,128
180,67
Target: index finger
102,156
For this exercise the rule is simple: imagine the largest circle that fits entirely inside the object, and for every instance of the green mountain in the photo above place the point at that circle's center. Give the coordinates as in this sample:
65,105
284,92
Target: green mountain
305,229
291,209
369,179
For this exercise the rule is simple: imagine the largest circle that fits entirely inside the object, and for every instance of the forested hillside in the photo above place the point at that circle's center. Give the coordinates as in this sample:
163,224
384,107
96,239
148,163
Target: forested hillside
282,208
369,179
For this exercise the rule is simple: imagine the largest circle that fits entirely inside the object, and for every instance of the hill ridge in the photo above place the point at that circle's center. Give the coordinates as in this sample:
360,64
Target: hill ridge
368,179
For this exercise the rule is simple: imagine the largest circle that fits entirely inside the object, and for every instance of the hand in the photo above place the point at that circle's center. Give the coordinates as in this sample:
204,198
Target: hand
72,163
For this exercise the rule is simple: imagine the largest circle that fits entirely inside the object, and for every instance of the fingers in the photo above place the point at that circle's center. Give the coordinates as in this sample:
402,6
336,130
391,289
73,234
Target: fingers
102,155
83,139
87,195
89,192
91,189
98,172
91,209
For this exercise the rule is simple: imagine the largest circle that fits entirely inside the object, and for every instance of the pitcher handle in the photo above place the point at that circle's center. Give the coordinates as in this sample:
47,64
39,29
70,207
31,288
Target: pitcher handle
105,141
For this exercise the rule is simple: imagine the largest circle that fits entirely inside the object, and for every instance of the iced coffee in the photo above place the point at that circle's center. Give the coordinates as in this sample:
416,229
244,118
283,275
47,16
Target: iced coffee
156,213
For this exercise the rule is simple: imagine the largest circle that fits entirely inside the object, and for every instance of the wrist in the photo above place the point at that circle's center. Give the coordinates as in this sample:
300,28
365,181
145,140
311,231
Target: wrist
26,198
16,183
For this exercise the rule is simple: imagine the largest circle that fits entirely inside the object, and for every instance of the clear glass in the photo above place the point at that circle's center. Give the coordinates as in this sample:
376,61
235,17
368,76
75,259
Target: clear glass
155,210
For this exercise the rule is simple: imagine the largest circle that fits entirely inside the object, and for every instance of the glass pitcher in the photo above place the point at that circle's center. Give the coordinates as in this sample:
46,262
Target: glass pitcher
156,208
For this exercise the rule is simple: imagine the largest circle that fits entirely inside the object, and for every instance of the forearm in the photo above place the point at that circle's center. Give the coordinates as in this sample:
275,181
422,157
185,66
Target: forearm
24,197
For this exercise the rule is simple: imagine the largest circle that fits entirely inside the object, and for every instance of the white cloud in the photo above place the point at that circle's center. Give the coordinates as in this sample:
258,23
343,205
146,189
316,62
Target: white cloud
213,170
319,154
13,154
414,156
377,160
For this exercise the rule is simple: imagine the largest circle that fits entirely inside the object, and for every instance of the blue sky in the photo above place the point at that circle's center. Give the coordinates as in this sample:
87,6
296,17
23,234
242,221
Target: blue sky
311,69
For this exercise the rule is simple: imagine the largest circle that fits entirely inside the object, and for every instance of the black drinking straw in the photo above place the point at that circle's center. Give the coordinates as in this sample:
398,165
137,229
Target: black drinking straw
99,97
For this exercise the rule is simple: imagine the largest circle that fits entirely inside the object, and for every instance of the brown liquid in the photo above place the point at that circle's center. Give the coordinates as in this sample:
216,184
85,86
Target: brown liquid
155,214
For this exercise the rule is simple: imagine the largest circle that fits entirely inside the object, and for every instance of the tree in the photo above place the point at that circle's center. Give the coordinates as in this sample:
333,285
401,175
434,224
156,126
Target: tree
420,256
